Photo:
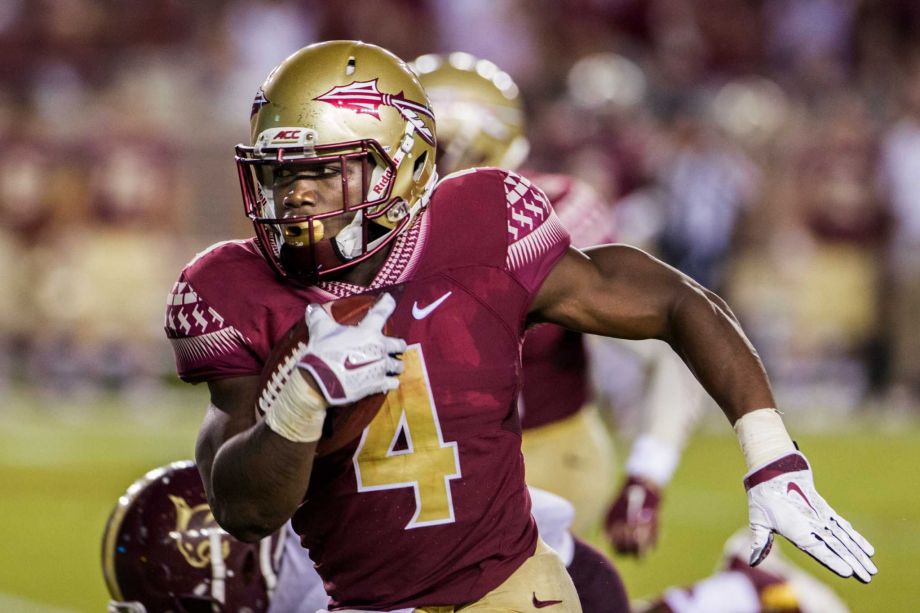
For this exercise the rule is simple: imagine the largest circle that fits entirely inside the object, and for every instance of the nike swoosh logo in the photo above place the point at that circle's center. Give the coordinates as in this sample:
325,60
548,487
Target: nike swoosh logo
349,365
423,313
539,604
793,487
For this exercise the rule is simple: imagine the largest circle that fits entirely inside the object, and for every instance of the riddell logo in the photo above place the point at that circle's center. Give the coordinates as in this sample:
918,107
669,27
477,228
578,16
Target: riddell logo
383,182
286,135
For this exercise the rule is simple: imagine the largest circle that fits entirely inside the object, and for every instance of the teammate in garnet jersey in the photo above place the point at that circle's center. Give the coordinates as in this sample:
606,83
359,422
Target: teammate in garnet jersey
566,447
428,508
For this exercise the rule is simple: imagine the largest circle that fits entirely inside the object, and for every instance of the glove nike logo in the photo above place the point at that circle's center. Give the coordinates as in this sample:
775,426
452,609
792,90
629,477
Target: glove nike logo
793,487
349,365
425,312
539,604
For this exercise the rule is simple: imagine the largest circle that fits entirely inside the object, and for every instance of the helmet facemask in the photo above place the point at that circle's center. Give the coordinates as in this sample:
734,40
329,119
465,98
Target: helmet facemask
308,247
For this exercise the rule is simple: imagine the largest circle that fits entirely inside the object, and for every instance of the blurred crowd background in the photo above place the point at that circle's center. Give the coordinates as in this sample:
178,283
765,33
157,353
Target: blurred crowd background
769,148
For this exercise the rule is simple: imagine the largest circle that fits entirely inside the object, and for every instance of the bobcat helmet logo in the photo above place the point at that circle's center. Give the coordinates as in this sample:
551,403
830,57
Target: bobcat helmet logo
194,528
363,97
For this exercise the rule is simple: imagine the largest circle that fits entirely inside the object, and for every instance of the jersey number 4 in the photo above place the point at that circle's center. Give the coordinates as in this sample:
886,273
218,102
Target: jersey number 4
403,447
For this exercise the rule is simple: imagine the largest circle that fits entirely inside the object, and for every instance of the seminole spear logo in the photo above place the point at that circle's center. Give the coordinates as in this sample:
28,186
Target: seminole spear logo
363,97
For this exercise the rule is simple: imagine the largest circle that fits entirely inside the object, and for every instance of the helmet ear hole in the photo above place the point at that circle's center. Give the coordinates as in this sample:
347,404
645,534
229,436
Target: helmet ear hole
419,166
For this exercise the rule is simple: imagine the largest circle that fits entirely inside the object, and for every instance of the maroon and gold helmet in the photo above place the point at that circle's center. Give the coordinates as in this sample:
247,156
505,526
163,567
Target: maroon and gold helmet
331,109
163,551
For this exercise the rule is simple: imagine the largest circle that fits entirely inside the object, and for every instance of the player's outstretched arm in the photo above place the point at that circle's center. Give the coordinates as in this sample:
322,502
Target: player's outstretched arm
621,291
256,472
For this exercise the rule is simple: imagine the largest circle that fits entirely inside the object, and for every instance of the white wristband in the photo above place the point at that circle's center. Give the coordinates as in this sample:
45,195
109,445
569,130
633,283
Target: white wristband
763,437
292,408
652,460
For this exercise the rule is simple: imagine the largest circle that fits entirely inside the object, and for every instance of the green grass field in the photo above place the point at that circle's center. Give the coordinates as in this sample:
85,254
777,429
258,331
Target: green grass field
62,469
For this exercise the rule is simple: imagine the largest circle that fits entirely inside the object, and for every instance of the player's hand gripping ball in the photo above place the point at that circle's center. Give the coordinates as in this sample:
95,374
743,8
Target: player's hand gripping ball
344,349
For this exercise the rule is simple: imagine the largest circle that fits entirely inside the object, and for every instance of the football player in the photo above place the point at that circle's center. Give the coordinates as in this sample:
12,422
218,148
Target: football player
427,509
163,551
775,586
481,123
566,447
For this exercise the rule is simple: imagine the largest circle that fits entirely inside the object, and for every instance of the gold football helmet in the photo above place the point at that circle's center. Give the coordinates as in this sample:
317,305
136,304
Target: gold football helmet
479,110
328,105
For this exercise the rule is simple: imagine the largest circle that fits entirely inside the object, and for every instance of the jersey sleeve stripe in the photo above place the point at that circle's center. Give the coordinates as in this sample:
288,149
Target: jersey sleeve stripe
190,350
534,245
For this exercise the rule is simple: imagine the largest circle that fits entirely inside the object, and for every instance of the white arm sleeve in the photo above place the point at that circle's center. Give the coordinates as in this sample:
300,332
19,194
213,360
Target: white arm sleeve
673,406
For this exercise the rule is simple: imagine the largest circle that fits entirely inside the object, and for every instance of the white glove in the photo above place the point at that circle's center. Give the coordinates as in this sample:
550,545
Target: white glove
349,363
782,498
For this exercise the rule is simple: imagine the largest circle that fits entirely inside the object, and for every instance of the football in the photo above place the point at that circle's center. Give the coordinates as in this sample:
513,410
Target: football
345,423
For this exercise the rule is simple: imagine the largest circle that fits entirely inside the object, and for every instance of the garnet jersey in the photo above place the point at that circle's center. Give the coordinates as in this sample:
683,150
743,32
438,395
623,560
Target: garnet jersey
555,363
429,506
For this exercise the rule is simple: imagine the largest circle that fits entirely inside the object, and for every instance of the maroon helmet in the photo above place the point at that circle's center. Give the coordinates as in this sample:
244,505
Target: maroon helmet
163,551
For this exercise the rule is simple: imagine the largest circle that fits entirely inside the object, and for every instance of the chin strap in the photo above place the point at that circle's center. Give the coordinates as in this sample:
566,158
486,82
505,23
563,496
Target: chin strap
348,240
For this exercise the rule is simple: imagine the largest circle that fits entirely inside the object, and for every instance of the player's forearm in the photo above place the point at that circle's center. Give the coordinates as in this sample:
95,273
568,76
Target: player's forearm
621,291
258,479
254,479
706,334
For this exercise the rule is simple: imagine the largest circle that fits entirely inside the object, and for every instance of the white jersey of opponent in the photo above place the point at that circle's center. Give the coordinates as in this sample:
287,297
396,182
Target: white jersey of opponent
299,588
